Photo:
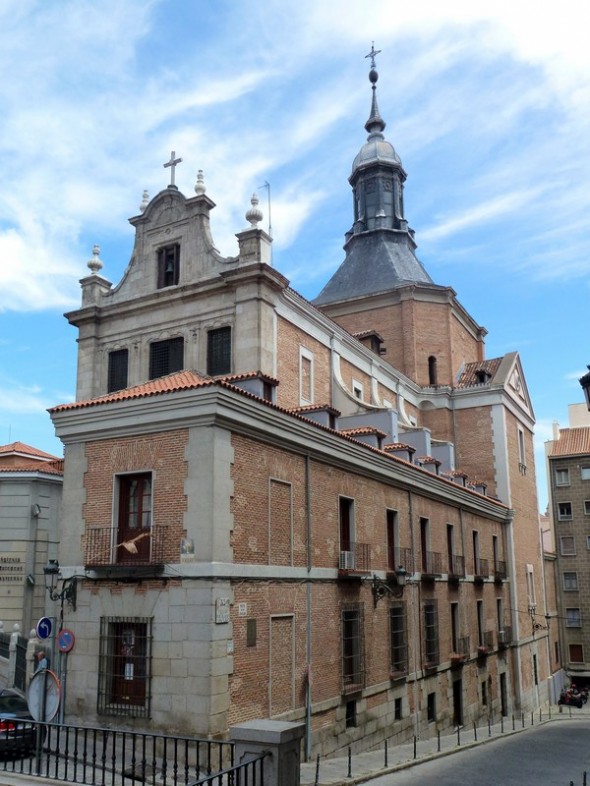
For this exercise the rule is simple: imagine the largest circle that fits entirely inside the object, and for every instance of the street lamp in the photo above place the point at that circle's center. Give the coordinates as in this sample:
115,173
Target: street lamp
585,383
68,587
394,586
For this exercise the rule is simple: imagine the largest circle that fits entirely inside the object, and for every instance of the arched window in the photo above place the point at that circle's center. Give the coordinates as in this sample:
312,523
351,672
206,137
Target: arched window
432,370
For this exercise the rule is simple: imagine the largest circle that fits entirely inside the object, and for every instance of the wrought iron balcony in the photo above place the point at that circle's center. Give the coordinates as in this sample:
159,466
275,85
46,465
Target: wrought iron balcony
481,569
355,561
150,549
461,651
500,571
456,568
504,637
431,565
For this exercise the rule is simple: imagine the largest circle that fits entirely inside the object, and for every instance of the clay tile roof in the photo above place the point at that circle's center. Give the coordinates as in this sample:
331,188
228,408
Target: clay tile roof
571,442
316,408
399,446
363,430
180,380
470,376
367,333
429,460
21,448
456,473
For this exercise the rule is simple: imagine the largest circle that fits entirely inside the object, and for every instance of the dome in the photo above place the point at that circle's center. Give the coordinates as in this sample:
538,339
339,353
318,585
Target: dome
375,150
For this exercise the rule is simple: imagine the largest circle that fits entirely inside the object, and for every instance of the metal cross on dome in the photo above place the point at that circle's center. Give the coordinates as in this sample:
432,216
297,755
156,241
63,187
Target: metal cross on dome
372,54
172,164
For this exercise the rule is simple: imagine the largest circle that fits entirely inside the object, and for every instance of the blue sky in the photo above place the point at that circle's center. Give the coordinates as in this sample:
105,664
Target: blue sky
488,105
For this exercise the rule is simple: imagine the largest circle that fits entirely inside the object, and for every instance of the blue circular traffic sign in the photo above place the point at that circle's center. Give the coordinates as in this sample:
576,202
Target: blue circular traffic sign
44,628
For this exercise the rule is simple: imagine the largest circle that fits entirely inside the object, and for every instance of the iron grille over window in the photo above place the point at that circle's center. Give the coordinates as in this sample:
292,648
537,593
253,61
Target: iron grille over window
124,667
168,266
118,365
219,351
399,645
353,660
431,633
166,357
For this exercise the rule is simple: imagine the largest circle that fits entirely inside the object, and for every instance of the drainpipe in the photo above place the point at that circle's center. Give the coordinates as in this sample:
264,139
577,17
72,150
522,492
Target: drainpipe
415,619
308,609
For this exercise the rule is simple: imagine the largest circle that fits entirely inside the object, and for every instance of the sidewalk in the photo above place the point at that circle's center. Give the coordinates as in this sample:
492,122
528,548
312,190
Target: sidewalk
371,764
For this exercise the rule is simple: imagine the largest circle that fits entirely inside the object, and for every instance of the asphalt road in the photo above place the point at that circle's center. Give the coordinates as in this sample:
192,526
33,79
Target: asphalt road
555,754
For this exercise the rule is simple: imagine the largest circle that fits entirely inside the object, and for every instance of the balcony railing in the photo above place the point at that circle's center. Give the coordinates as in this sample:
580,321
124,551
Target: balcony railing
504,637
103,550
460,652
500,570
486,644
456,567
431,564
481,569
356,559
402,559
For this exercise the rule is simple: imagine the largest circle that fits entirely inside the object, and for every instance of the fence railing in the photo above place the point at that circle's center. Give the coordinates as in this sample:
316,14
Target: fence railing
98,756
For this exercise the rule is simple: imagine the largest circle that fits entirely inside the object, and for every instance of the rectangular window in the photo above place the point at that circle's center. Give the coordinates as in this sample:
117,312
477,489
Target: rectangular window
118,368
350,714
357,389
585,473
124,666
166,357
570,581
587,507
484,693
134,518
353,671
346,527
398,709
424,543
567,545
573,618
454,627
306,380
431,707
168,265
500,613
219,351
480,624
530,586
251,632
564,511
451,549
476,565
431,633
521,451
392,540
576,653
399,644
562,477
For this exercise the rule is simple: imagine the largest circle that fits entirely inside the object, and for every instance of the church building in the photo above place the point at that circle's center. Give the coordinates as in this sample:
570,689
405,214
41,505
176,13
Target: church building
322,512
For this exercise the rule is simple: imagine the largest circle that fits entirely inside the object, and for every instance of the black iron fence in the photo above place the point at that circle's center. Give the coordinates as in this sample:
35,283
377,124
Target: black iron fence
103,757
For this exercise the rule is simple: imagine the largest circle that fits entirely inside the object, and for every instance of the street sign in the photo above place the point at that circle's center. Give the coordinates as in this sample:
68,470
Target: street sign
43,695
65,640
44,628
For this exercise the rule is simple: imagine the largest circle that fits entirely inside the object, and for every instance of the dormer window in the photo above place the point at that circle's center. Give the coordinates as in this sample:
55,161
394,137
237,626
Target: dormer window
482,376
168,265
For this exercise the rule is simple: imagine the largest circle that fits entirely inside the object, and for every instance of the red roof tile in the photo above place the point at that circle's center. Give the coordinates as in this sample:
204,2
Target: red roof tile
571,442
470,375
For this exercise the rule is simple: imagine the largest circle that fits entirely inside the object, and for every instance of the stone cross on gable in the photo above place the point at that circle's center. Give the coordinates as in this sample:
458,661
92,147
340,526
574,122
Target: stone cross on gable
172,164
372,54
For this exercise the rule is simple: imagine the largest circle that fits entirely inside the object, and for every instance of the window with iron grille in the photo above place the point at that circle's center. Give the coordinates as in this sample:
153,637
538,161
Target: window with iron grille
166,357
353,666
399,643
125,667
168,266
118,365
431,633
219,351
